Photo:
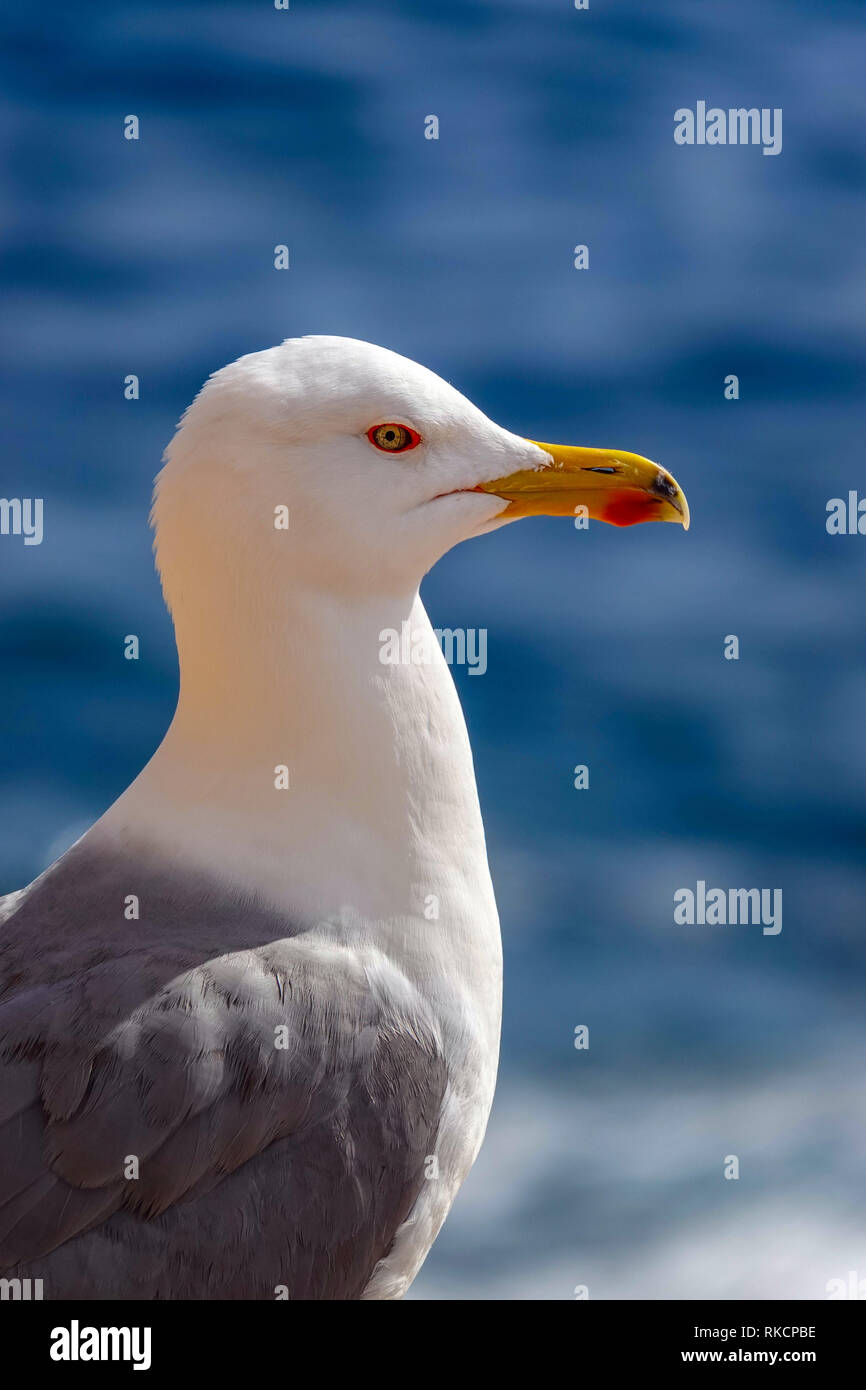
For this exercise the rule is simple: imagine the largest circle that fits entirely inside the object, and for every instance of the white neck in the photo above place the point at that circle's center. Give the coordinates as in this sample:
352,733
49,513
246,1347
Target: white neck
381,817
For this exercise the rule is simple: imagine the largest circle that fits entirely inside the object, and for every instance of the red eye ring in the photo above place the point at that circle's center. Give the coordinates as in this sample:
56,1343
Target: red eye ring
392,438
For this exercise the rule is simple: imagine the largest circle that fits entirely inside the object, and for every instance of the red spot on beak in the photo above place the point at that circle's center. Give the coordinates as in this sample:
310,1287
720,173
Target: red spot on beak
629,507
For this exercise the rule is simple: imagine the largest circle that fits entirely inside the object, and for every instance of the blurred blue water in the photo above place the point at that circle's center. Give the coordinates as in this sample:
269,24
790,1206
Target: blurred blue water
156,257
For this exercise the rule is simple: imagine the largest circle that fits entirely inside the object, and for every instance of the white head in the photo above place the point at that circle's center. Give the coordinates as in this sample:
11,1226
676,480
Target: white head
370,510
382,467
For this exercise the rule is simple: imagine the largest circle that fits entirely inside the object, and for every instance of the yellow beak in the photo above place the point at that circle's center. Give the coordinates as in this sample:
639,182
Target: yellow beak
605,484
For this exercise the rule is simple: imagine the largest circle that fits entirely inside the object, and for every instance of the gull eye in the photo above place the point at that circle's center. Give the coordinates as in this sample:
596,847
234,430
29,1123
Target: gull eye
394,439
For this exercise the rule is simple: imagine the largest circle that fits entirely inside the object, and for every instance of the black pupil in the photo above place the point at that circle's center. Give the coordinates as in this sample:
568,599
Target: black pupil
390,437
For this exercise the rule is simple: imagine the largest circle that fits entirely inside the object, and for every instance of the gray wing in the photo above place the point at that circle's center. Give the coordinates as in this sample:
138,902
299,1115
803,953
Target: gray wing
199,1103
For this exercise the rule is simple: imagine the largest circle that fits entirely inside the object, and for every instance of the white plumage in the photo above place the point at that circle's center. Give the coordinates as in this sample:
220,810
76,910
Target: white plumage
298,1038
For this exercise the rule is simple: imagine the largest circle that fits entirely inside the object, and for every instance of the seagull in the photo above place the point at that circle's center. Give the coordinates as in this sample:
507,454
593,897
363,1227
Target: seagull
249,1022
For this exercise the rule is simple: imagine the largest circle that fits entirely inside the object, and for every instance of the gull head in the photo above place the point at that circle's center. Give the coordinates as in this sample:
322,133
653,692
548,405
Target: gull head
354,469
